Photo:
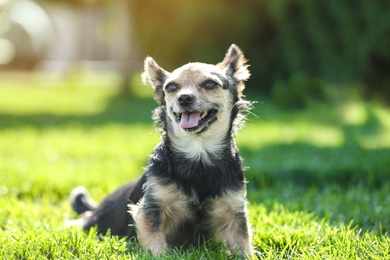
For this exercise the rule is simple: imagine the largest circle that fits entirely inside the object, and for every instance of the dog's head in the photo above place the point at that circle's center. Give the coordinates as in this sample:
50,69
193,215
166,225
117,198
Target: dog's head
199,97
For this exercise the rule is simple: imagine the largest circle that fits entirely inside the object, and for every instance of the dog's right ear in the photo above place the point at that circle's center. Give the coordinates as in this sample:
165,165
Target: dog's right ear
156,76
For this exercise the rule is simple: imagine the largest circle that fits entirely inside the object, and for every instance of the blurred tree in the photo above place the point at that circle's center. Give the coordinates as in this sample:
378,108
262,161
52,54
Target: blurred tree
335,40
376,73
176,32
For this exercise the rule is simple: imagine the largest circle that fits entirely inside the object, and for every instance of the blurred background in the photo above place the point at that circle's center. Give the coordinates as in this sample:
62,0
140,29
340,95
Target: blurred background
297,48
73,110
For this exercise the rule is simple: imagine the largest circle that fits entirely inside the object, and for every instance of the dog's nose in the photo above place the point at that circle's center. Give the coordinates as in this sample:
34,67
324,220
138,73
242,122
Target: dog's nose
185,99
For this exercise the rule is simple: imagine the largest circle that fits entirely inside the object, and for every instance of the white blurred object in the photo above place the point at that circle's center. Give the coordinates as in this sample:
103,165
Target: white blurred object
5,3
7,51
34,20
26,33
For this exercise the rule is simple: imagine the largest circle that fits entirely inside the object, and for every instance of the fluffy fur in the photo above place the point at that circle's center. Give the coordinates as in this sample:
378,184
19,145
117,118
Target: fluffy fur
193,188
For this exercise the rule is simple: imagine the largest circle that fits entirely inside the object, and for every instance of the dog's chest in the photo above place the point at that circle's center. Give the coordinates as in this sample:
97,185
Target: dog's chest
204,181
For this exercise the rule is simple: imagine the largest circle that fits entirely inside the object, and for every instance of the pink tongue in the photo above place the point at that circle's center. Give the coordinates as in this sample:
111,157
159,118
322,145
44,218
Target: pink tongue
189,120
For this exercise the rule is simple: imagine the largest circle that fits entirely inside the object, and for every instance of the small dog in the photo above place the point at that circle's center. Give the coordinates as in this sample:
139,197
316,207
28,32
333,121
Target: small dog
193,188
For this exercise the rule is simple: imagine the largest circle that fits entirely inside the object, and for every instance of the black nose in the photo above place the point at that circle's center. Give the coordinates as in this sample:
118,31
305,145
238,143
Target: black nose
185,99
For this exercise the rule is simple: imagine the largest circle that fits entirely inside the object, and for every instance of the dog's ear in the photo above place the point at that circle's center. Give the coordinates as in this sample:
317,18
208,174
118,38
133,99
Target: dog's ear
236,68
156,76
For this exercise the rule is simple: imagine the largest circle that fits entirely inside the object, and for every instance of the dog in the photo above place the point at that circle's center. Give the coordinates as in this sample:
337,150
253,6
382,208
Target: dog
193,188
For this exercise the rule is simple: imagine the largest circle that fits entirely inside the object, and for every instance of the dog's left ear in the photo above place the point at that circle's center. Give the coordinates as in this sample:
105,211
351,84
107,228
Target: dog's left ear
236,68
156,76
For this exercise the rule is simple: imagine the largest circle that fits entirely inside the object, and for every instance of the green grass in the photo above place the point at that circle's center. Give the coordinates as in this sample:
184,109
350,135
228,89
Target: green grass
318,178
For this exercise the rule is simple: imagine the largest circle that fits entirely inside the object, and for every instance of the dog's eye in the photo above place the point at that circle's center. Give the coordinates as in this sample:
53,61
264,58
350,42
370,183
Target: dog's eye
209,84
171,87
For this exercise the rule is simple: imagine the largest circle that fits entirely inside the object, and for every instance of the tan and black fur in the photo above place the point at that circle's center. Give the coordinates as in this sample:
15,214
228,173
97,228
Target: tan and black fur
193,188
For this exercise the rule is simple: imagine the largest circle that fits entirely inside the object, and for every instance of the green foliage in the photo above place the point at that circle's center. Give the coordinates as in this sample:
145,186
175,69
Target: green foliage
377,81
340,41
337,40
318,178
297,91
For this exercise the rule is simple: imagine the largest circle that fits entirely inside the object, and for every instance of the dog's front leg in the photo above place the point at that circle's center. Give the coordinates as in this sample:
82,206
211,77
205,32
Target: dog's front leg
238,236
149,228
162,209
230,224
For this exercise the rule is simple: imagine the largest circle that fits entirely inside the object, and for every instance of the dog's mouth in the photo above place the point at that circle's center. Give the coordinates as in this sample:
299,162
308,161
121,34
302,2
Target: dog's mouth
195,120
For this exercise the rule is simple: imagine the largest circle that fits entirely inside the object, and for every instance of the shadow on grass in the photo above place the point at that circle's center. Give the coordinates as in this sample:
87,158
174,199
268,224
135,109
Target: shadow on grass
119,110
342,184
305,165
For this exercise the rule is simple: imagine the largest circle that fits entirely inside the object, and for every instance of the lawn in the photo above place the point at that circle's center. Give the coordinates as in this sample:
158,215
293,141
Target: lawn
318,178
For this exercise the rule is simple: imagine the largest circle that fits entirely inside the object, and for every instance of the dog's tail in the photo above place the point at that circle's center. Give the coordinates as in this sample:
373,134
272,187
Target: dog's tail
81,201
